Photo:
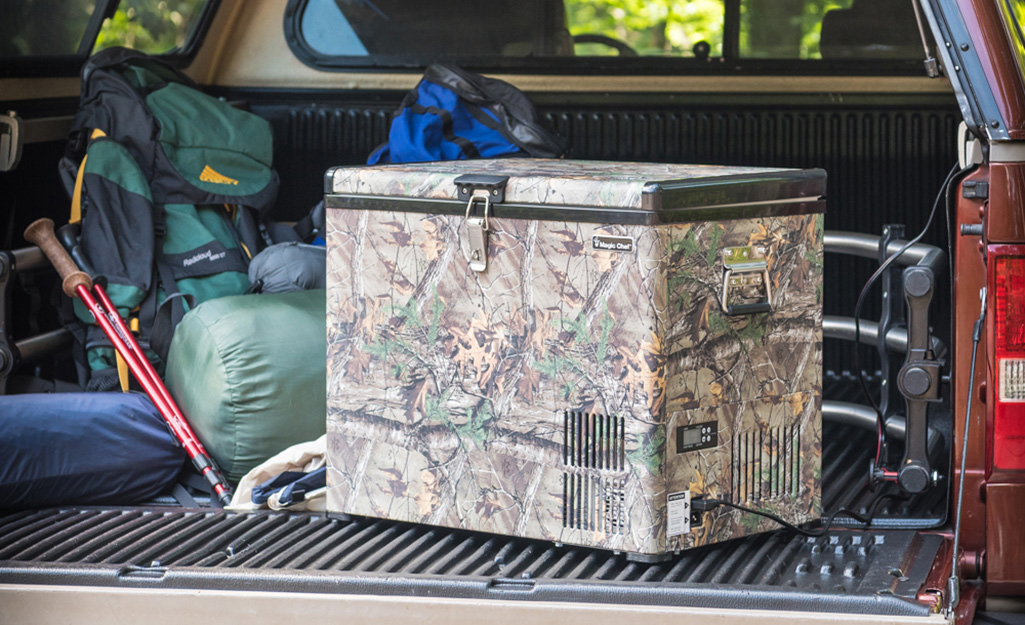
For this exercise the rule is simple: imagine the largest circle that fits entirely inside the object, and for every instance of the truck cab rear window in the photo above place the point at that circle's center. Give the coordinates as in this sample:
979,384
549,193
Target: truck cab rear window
600,34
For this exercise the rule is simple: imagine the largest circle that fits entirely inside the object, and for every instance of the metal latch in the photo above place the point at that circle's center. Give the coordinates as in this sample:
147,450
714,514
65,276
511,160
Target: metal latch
477,232
746,267
485,190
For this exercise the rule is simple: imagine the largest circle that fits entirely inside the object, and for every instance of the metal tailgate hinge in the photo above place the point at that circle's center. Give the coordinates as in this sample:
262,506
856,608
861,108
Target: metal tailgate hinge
10,141
16,133
486,191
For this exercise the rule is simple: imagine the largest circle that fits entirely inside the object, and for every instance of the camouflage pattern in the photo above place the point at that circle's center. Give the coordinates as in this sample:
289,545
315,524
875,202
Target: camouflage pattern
531,180
541,397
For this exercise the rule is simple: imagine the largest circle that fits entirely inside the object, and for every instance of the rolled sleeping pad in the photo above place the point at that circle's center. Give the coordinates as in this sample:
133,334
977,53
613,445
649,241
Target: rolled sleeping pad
84,449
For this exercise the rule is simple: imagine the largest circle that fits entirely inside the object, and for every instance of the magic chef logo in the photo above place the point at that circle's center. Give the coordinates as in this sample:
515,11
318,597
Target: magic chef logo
208,255
612,244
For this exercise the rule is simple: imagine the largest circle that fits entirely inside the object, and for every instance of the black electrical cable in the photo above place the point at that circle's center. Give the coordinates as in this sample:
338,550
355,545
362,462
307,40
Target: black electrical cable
707,505
871,510
861,300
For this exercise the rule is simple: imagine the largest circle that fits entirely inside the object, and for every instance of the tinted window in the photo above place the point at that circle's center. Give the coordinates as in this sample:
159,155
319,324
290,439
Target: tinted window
829,29
54,37
427,28
151,26
45,27
510,28
328,31
659,27
550,33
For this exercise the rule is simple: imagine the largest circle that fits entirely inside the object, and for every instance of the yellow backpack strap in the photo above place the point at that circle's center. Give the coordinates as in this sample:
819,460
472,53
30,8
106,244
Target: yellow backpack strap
122,365
76,197
122,371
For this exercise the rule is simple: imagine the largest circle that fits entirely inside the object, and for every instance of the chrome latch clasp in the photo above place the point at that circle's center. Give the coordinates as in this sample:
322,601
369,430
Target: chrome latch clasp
477,231
476,189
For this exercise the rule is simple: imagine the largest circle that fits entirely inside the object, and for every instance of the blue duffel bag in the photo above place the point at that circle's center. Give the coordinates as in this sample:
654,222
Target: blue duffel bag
84,449
454,114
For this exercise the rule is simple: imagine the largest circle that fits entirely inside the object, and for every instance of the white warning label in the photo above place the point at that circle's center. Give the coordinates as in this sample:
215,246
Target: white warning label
678,511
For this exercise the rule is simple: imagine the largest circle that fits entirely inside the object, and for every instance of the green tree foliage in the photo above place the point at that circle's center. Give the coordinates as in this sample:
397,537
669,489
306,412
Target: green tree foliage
784,29
768,28
651,27
151,26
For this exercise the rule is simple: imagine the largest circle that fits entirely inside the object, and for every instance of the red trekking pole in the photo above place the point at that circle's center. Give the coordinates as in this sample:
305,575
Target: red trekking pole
79,284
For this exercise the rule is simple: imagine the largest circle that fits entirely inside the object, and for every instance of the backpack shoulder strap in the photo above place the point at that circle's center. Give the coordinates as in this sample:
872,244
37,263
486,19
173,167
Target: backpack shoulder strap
169,314
76,197
309,227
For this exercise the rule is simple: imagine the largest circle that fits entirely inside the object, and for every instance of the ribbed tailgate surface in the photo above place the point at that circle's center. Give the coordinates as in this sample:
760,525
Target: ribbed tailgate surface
880,572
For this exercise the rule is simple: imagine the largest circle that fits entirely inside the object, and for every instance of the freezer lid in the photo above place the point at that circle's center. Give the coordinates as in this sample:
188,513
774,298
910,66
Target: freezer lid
586,190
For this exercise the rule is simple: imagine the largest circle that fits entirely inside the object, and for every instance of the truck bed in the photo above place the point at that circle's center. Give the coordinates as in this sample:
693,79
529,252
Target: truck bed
873,572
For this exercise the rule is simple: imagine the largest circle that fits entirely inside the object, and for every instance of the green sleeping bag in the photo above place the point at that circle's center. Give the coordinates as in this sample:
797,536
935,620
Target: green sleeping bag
248,371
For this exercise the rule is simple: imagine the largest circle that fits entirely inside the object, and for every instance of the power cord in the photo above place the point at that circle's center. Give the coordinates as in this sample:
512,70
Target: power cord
703,505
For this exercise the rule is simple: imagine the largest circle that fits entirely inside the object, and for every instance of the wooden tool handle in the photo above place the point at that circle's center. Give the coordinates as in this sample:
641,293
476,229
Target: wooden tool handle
41,233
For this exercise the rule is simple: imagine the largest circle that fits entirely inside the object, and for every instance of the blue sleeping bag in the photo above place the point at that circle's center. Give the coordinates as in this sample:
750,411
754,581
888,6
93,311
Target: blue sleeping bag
83,449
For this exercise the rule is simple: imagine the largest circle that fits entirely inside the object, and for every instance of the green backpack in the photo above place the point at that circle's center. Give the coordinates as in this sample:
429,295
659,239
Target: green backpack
169,186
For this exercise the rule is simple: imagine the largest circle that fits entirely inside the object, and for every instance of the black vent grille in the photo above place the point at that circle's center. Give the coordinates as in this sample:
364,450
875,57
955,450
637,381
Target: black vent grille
594,503
766,465
594,450
594,441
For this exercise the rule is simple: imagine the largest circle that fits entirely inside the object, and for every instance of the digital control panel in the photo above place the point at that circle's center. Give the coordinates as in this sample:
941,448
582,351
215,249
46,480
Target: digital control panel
697,436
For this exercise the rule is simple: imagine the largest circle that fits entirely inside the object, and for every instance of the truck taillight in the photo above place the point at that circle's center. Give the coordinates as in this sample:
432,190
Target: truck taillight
1007,281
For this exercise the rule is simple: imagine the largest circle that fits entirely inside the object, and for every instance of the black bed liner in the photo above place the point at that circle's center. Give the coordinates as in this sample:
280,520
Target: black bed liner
870,572
875,571
846,452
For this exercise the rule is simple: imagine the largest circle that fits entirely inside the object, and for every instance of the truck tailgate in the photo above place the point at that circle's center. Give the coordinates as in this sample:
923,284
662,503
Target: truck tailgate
875,574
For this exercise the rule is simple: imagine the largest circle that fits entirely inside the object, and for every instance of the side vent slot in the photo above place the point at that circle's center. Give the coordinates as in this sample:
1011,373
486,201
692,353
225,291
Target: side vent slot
766,464
596,504
594,441
593,447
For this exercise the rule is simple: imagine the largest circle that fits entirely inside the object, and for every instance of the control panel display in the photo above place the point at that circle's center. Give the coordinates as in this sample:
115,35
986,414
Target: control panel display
697,436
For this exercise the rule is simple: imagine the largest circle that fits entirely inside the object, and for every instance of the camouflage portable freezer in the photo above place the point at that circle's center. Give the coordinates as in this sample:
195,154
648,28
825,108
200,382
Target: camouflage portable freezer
574,351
